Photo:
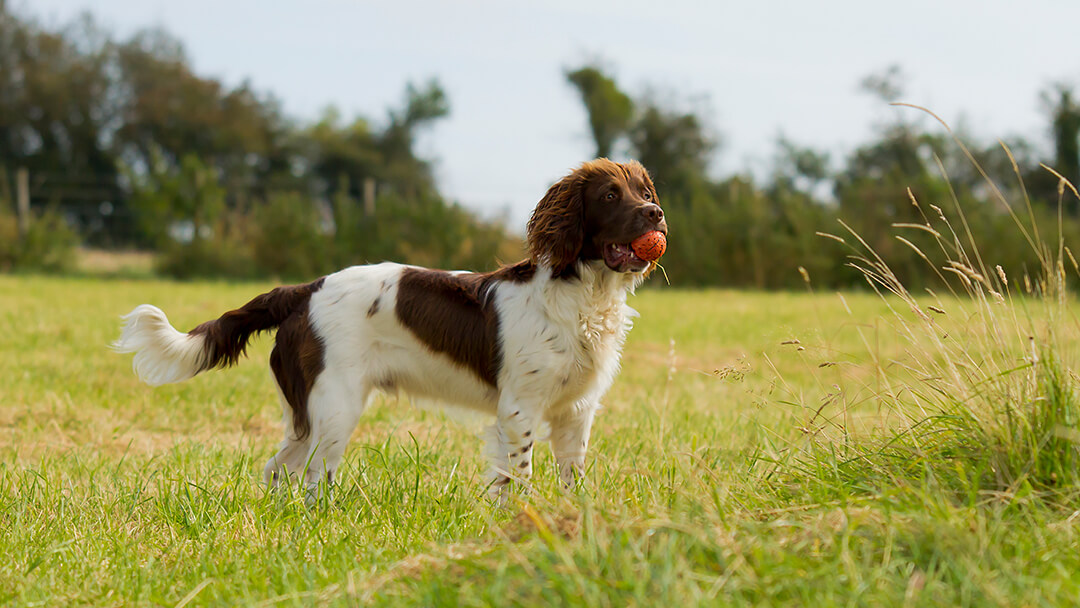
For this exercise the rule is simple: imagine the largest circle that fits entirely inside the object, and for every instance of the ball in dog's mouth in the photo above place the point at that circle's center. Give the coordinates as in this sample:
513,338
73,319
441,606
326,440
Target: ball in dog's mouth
650,246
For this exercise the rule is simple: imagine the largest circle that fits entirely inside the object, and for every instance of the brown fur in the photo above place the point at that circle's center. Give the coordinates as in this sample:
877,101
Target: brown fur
450,313
559,229
556,231
297,357
453,315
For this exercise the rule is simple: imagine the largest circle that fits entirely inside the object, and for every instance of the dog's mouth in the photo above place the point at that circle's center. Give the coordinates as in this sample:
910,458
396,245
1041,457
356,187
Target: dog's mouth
621,258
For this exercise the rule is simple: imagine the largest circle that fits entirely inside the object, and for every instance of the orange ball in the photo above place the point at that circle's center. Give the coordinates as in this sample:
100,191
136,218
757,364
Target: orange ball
650,246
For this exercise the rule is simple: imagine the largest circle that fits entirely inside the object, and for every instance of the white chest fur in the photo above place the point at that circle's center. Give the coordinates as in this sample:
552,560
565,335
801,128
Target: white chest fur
562,338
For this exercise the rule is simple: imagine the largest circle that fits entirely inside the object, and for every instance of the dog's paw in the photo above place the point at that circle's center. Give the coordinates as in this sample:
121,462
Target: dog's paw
498,490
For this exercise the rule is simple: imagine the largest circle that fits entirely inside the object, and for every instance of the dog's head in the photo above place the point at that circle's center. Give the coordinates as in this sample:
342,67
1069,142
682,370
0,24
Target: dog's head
593,214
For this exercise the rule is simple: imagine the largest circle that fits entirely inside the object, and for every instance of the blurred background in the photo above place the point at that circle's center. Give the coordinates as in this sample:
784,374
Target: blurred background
257,140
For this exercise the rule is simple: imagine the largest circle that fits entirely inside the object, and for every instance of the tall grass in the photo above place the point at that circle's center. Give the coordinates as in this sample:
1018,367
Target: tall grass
983,402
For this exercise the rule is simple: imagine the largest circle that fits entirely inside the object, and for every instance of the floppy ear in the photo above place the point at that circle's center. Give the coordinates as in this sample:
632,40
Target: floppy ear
556,231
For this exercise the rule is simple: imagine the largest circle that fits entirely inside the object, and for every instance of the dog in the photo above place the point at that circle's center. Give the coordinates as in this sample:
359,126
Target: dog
537,341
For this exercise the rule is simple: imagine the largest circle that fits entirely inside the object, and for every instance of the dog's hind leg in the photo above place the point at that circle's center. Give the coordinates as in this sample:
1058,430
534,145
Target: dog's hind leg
292,453
337,400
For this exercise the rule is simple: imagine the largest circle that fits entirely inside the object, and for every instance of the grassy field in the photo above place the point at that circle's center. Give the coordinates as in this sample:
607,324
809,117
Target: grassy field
779,449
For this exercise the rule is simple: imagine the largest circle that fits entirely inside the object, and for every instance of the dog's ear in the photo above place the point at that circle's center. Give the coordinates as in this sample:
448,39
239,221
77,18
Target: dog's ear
556,231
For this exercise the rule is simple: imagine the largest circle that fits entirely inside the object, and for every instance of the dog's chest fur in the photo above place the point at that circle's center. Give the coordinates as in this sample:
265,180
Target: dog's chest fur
570,337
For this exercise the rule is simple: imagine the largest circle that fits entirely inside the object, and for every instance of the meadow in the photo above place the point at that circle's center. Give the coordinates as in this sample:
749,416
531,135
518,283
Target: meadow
758,448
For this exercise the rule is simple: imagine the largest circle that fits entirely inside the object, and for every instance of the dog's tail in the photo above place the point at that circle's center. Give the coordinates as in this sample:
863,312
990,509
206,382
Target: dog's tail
164,355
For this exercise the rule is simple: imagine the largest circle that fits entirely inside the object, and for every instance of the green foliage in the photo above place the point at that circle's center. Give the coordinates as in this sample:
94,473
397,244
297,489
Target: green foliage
165,196
425,230
134,117
423,105
184,158
49,245
673,145
1065,123
354,153
732,233
55,101
225,253
297,237
290,240
610,110
740,231
169,113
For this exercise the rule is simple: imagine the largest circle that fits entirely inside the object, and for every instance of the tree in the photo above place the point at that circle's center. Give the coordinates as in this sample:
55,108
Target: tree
673,145
799,167
1065,126
402,169
340,156
347,155
610,110
55,97
168,109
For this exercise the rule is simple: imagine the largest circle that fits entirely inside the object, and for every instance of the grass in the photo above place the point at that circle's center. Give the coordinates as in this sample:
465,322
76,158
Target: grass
756,449
778,449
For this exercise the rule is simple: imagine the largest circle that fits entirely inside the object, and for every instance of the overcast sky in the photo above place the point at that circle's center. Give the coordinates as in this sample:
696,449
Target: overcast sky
761,67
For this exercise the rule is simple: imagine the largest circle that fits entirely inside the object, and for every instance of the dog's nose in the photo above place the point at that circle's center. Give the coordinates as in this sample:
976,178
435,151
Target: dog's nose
653,212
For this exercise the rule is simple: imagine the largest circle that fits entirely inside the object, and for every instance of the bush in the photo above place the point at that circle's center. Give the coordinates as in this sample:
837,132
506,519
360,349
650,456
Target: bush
223,252
48,246
425,230
290,239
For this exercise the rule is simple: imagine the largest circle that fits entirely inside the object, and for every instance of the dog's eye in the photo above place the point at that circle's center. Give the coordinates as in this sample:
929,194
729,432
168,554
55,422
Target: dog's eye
610,196
648,195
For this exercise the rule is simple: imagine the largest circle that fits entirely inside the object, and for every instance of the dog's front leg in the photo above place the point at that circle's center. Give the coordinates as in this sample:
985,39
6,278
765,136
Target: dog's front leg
570,441
510,445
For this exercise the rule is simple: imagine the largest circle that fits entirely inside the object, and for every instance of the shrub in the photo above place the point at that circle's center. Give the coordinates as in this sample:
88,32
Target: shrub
290,239
48,246
221,252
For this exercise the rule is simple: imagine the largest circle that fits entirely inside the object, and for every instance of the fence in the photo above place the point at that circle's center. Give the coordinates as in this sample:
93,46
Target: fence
98,206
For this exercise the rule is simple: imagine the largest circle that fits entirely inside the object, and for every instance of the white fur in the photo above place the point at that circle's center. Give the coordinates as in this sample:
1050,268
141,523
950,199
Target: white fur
561,341
162,354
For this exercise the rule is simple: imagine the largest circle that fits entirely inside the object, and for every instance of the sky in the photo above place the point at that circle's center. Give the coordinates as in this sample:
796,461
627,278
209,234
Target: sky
756,69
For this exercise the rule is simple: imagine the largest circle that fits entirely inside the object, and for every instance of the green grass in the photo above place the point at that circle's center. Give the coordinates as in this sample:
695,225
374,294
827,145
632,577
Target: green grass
727,467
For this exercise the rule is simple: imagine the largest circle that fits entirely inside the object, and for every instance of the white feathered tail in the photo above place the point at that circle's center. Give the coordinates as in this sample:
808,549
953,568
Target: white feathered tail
162,354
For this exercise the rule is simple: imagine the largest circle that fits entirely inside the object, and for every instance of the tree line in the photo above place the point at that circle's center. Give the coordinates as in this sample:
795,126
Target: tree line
127,147
914,179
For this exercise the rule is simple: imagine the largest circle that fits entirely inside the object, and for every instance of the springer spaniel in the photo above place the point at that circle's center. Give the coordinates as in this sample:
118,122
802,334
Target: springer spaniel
536,341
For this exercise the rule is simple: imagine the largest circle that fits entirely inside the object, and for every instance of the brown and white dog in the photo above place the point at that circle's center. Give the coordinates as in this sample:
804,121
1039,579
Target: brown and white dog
536,341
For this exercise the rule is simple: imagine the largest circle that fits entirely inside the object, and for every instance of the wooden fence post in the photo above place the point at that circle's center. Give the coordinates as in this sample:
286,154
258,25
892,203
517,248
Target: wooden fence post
369,196
5,190
22,200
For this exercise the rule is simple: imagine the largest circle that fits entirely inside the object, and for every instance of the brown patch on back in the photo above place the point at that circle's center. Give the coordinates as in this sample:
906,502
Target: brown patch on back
454,314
